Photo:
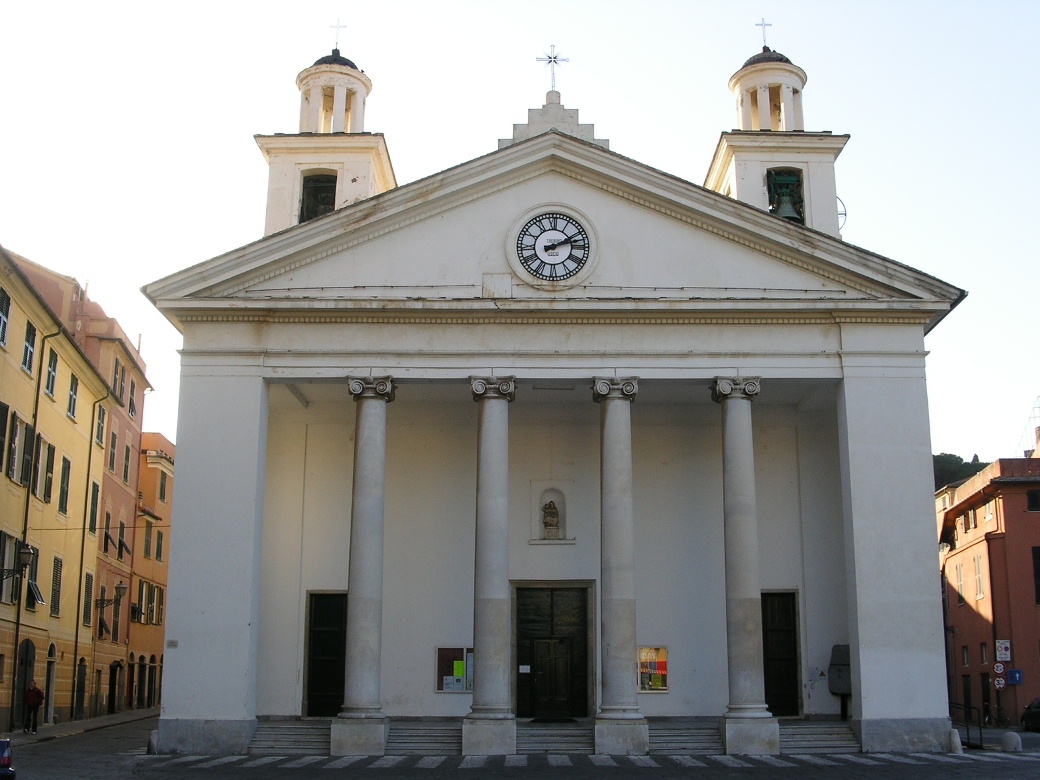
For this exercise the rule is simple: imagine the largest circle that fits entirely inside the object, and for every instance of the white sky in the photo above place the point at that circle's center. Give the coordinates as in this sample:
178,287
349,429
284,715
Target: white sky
126,148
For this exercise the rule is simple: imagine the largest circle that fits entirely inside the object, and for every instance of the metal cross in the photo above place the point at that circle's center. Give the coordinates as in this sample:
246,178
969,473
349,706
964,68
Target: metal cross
337,27
763,24
552,59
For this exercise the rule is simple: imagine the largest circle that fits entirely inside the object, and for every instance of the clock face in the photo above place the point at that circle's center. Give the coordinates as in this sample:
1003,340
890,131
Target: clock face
552,247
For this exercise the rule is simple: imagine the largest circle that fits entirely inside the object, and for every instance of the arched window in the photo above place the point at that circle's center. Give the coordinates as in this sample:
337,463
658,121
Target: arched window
319,196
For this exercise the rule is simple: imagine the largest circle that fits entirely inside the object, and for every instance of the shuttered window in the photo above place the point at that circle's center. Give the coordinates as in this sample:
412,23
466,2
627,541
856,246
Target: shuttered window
56,588
88,597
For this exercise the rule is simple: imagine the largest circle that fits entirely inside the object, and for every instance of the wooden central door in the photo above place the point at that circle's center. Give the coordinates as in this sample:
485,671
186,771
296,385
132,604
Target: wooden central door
326,653
780,653
552,651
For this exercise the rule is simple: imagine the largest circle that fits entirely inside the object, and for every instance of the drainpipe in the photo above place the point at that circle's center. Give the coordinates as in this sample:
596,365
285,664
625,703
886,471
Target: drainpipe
25,530
83,555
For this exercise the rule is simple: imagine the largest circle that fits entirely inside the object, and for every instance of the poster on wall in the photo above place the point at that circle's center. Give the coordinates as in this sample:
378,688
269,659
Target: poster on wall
653,669
454,670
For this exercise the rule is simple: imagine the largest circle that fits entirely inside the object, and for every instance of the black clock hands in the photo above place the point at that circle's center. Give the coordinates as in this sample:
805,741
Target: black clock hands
565,240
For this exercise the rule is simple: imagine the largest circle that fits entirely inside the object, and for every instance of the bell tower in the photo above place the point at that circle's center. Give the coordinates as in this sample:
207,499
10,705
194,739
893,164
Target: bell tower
771,162
332,162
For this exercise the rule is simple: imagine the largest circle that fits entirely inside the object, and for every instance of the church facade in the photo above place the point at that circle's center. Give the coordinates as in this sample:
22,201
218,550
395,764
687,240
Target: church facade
552,435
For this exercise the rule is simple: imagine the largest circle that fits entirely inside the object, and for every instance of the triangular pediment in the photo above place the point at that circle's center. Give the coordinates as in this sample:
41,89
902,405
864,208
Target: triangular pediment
450,240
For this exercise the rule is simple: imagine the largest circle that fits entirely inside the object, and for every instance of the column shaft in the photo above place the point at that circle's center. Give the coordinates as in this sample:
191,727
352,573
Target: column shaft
491,598
357,112
365,577
339,109
765,117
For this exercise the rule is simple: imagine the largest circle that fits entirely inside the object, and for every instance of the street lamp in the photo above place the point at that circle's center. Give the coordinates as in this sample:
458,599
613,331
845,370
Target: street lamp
25,559
120,592
26,555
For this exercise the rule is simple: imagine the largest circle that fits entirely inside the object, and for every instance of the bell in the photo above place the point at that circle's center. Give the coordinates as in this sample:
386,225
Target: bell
785,207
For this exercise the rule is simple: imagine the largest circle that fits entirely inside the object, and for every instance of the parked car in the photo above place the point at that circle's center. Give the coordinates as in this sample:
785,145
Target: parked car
6,759
1031,716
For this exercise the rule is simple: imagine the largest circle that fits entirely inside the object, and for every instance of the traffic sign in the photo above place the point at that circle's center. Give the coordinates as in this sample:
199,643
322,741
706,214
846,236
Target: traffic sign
1014,676
998,668
999,683
1003,649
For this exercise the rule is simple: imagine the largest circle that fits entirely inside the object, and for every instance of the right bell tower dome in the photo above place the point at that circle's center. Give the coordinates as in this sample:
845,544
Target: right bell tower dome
770,161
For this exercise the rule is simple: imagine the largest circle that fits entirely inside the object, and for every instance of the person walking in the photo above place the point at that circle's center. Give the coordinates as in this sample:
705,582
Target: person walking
33,699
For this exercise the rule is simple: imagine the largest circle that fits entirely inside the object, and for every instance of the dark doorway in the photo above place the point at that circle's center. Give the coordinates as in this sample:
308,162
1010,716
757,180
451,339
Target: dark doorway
81,688
780,653
26,672
326,653
552,653
113,687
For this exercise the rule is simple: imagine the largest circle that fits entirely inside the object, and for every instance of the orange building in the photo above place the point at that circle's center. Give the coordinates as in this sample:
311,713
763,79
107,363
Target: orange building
148,585
989,534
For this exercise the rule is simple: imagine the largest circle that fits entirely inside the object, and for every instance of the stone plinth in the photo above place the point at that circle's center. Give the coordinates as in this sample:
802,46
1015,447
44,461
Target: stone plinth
488,737
359,736
751,736
622,737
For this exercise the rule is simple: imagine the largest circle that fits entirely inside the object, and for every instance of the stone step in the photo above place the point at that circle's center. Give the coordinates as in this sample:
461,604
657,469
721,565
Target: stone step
428,738
291,737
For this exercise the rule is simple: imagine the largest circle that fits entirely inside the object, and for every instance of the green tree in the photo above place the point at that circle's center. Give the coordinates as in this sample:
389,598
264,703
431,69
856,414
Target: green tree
953,468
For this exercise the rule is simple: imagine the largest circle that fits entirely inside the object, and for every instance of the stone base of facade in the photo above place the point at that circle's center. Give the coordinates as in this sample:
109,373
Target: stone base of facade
751,736
204,737
359,736
623,737
488,737
903,735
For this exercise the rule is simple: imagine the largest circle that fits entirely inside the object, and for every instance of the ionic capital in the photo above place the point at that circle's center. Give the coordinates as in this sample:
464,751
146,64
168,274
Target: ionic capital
725,388
371,387
612,388
492,387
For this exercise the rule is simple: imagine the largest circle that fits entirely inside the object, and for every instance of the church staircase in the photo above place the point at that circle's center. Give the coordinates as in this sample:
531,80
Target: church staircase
292,737
425,737
685,736
576,737
817,736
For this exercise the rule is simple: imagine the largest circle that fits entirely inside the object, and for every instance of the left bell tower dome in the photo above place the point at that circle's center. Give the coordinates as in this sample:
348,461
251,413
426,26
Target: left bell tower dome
332,162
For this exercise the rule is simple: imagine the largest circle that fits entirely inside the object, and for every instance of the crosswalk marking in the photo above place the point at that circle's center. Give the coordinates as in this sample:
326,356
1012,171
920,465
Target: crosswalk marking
729,761
345,761
558,760
773,761
218,762
980,757
386,762
897,759
602,760
515,761
300,762
430,762
814,760
686,761
263,761
1021,757
643,761
186,760
473,762
858,759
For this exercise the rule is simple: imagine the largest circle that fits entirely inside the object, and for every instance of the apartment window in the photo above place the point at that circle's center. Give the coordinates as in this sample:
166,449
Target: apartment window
109,540
52,372
56,588
88,598
965,658
5,314
48,479
95,496
43,470
1036,573
162,486
979,593
115,621
150,609
33,596
141,587
133,399
983,653
159,605
8,556
119,380
959,573
63,486
99,435
126,463
20,441
113,444
158,545
989,512
970,520
1033,500
30,347
73,393
148,538
36,478
122,540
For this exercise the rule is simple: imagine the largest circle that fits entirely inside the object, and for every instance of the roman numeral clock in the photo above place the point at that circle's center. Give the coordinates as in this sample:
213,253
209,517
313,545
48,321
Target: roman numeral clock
553,247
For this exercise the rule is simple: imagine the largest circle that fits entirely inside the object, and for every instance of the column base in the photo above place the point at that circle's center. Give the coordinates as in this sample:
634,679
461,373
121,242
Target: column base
751,736
489,737
202,737
627,737
903,735
359,736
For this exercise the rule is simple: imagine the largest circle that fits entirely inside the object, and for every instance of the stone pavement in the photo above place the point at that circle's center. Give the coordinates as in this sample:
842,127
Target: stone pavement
48,731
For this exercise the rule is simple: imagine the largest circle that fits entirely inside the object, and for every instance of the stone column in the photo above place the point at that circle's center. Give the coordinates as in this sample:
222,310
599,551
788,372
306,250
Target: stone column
314,117
744,110
357,112
620,727
788,119
765,116
748,726
490,727
361,727
339,108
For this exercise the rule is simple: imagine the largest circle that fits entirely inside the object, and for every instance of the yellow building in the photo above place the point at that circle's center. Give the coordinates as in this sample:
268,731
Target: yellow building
52,453
148,587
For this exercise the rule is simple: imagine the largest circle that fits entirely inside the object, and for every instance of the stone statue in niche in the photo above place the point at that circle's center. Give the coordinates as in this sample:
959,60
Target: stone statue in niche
551,520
